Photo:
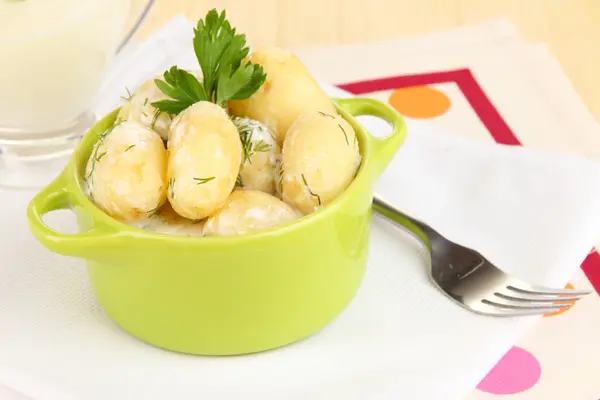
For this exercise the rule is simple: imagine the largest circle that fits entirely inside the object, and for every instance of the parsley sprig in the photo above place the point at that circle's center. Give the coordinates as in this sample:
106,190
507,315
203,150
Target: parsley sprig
220,52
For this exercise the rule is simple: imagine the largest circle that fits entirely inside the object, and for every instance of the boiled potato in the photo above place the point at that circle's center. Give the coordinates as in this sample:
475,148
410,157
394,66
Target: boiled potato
126,174
261,152
249,211
289,91
205,154
138,107
320,157
167,221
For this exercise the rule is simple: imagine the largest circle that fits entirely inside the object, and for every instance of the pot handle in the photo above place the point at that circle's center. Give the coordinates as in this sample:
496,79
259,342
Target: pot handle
56,196
382,150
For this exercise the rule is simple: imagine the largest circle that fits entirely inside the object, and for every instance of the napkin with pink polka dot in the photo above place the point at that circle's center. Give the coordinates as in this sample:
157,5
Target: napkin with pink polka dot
487,83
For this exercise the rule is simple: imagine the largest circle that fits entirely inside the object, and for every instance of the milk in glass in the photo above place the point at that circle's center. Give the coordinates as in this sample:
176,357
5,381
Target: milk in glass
53,55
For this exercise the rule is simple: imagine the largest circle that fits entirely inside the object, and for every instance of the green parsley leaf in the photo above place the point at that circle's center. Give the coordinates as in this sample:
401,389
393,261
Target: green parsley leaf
240,84
181,86
211,39
220,52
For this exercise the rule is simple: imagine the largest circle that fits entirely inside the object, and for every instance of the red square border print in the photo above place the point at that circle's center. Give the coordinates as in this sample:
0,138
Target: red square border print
485,111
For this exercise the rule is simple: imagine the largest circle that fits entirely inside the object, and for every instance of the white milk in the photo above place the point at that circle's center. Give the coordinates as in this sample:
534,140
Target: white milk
53,55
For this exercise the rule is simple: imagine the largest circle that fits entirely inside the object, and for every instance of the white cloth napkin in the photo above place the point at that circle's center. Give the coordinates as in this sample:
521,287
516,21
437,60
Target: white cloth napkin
534,214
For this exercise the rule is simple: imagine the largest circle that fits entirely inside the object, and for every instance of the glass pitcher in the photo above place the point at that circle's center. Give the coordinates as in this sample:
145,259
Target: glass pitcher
53,57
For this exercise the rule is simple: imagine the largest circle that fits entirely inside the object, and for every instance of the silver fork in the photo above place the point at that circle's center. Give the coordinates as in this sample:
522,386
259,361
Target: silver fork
475,283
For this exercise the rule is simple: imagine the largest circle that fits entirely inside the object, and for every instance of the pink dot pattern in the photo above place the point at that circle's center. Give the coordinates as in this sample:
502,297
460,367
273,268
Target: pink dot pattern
516,372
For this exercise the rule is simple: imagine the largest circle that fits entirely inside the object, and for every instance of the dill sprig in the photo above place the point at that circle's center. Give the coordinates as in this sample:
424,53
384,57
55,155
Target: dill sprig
249,147
157,113
129,95
95,156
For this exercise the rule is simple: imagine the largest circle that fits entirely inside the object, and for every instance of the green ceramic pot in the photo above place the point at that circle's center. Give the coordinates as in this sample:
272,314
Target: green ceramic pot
224,295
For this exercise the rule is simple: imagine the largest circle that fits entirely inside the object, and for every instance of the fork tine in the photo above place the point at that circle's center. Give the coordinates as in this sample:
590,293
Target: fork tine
539,290
540,309
538,299
500,312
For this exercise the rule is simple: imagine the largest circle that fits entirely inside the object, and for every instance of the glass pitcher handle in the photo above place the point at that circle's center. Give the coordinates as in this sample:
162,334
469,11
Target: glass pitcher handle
136,26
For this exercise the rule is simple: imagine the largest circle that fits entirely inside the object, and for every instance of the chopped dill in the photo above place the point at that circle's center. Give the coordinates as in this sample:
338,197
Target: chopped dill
171,188
103,135
249,147
310,191
326,115
100,156
154,118
129,148
129,95
200,181
154,212
97,157
239,182
345,135
279,173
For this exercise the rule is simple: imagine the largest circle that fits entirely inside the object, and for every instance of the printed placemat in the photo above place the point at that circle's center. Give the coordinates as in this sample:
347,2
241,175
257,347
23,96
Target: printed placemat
541,365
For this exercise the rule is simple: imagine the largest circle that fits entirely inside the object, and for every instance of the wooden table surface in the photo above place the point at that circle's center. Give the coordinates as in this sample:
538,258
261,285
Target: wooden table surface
570,27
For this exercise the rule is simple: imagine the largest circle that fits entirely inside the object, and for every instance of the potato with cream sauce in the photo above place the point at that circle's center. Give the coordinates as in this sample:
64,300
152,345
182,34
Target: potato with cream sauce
249,211
205,154
261,152
126,172
288,92
168,222
320,157
138,107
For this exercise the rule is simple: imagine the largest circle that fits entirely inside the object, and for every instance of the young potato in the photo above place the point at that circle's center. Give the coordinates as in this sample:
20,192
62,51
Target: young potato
261,152
249,211
139,108
288,92
205,154
168,222
126,172
320,157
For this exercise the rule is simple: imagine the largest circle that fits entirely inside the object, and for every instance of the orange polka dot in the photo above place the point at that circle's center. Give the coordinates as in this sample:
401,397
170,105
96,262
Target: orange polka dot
571,303
419,102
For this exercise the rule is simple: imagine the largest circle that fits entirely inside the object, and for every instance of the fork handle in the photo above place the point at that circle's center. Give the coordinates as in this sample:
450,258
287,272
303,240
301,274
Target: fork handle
423,231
